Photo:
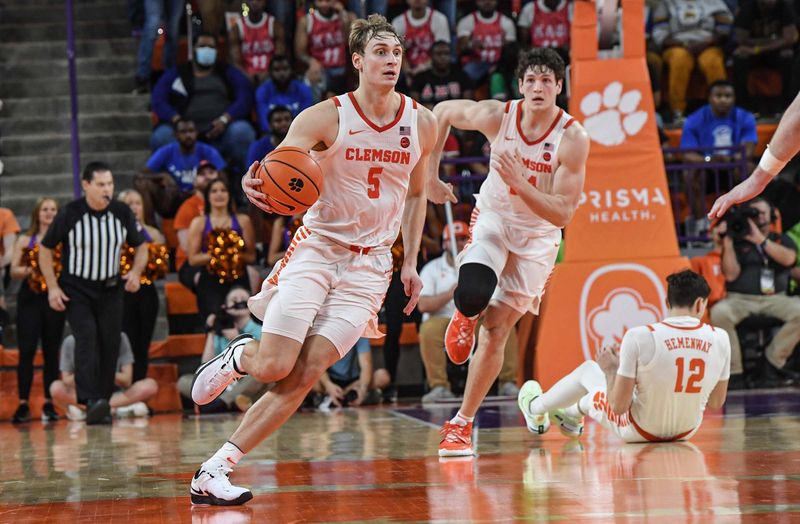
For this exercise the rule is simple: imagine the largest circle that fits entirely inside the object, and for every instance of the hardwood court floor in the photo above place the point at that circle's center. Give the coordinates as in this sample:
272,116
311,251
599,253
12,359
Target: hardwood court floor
380,465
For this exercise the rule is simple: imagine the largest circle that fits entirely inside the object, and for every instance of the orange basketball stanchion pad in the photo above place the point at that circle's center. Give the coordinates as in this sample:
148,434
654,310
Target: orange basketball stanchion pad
590,304
621,243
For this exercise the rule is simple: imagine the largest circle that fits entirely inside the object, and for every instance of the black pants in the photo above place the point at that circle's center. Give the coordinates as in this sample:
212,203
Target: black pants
140,310
393,305
211,294
94,313
784,63
35,321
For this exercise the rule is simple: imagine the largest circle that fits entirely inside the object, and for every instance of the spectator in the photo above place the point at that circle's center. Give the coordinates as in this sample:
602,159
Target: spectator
710,266
439,277
89,286
283,231
281,90
230,320
168,178
35,320
481,37
279,119
192,207
351,381
369,7
140,309
321,42
217,97
766,32
546,23
441,82
689,31
154,11
503,83
9,228
756,270
130,395
254,40
717,124
420,26
220,218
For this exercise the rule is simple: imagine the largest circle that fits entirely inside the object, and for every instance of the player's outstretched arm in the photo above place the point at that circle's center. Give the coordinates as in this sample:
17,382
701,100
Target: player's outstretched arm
314,128
557,204
415,209
484,116
782,148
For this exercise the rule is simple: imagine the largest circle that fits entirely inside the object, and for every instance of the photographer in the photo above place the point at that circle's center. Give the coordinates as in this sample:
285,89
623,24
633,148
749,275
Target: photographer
756,265
232,320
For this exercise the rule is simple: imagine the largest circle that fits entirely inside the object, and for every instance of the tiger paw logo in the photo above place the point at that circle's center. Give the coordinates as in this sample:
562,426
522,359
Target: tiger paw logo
612,116
599,401
296,184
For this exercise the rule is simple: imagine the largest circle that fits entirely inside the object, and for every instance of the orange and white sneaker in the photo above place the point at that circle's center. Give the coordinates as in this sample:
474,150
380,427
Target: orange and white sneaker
459,339
456,440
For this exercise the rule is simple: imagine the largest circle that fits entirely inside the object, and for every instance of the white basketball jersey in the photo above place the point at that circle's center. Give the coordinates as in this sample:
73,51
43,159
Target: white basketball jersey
539,156
673,388
366,174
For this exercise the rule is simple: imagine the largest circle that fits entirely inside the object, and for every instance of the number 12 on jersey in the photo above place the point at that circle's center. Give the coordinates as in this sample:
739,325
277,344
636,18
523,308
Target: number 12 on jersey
697,367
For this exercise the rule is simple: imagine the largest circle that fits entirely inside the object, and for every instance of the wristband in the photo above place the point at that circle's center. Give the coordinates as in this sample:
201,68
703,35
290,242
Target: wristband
225,119
770,163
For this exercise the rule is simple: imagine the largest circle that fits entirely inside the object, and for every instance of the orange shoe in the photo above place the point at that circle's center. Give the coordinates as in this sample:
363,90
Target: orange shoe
456,440
459,339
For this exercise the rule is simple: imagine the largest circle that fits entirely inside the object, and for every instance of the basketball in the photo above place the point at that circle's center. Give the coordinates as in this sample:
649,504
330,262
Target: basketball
292,180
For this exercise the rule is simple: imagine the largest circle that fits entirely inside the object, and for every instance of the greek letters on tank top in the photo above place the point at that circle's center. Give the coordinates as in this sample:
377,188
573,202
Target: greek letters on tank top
367,171
325,40
257,42
208,228
550,28
419,39
539,155
491,35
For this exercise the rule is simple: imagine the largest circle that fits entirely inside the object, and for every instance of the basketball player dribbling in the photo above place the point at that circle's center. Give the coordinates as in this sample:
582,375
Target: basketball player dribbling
536,175
655,388
372,145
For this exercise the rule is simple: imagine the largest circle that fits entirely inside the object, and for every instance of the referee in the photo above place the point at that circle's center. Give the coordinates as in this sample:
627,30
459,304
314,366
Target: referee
92,230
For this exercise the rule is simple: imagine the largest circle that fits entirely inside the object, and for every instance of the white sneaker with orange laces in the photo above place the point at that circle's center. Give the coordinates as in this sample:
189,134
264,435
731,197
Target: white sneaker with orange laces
456,440
459,339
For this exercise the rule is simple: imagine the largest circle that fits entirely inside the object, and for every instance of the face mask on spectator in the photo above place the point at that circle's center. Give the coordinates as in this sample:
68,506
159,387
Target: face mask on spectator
206,56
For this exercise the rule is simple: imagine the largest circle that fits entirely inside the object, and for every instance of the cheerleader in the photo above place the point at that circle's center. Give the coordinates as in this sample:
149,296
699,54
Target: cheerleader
222,266
35,319
283,230
140,309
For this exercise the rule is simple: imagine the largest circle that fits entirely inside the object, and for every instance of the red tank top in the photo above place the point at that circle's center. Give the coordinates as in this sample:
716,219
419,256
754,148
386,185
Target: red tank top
491,35
419,40
257,43
550,28
325,40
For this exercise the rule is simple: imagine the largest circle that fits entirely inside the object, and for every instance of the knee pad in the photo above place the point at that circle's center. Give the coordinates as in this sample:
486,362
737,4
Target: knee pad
476,284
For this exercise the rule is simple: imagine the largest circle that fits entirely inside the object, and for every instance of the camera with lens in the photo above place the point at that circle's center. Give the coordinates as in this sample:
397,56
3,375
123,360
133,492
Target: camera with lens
350,397
223,320
737,219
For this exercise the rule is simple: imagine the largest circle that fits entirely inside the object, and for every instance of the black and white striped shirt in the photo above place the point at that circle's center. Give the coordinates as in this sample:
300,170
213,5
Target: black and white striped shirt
91,239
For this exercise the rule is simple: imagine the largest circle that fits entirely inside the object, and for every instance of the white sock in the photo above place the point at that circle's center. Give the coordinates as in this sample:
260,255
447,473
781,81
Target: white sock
585,404
537,406
229,454
461,420
573,411
570,389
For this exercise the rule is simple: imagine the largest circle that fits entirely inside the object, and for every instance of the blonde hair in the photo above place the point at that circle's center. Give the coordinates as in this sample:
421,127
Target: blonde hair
362,31
125,193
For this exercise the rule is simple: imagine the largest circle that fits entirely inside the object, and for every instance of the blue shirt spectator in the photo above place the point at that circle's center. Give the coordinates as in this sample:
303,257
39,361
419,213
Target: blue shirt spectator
720,123
281,90
279,118
347,369
183,166
252,328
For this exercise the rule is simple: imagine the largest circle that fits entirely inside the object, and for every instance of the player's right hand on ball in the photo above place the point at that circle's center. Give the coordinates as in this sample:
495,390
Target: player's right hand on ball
250,185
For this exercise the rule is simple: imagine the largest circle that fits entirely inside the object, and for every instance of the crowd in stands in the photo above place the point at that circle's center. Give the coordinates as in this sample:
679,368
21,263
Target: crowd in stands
253,70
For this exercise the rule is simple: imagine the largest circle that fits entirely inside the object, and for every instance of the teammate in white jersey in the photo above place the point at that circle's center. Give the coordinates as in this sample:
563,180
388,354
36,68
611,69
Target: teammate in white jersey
372,145
656,387
536,175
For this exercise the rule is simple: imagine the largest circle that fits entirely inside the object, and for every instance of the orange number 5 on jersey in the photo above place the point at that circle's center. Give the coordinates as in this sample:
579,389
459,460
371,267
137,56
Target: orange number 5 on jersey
697,367
374,187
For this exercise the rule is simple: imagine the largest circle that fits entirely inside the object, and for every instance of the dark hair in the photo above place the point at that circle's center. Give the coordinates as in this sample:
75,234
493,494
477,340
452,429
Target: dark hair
205,32
277,109
362,31
184,120
92,168
440,42
207,191
685,287
279,58
720,83
543,58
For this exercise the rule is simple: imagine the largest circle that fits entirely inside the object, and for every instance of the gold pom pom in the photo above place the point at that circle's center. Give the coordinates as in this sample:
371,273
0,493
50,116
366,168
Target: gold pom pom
30,257
225,246
157,262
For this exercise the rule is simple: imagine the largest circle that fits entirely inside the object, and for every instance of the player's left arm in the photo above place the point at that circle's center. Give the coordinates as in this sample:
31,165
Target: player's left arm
620,370
558,207
416,207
